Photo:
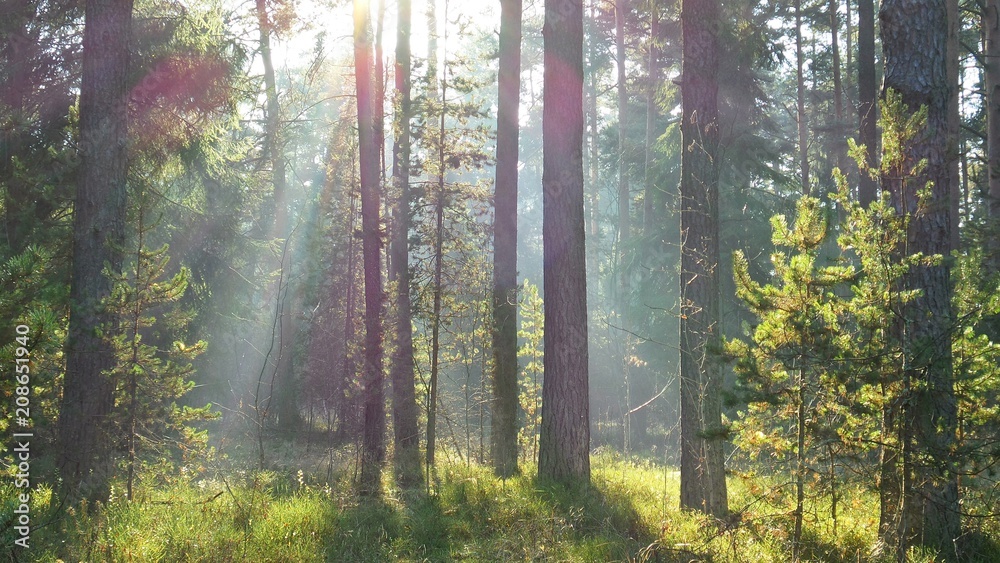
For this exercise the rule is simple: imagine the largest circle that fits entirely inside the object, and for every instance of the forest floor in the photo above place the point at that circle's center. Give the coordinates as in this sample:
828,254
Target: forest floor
303,509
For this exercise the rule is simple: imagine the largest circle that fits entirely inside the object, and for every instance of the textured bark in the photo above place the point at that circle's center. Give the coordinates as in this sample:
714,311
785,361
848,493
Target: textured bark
593,187
867,99
404,402
373,440
564,442
915,46
505,391
991,28
703,479
85,460
954,121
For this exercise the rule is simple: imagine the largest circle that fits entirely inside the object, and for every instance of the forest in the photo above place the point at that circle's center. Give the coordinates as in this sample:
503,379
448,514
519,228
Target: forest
558,280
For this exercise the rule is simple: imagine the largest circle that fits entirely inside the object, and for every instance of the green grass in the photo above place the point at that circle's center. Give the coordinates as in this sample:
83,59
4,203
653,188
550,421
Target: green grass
629,514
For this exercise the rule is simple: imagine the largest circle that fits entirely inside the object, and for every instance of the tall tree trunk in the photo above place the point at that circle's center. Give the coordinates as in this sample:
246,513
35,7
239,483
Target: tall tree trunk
867,100
624,197
439,206
800,102
991,72
838,87
404,403
954,119
85,459
379,104
432,391
915,45
849,50
652,198
373,440
505,390
594,190
564,448
703,479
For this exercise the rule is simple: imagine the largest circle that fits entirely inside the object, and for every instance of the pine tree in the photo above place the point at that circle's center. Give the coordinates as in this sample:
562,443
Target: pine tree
150,380
564,442
98,240
789,374
404,404
919,180
504,430
373,441
703,478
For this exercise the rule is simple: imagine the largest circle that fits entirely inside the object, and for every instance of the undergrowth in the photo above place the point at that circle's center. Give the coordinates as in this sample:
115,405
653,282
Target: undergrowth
630,513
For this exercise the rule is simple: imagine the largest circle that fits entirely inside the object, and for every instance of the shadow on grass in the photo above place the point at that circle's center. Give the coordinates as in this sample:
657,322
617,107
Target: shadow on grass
471,515
602,522
365,532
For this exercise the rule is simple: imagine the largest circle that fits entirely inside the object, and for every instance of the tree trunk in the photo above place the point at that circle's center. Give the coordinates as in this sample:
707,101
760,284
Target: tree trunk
991,72
838,87
564,448
406,432
800,464
378,106
915,45
652,198
954,120
439,206
624,196
594,190
867,100
432,391
505,390
372,446
890,481
85,458
800,102
849,48
703,479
